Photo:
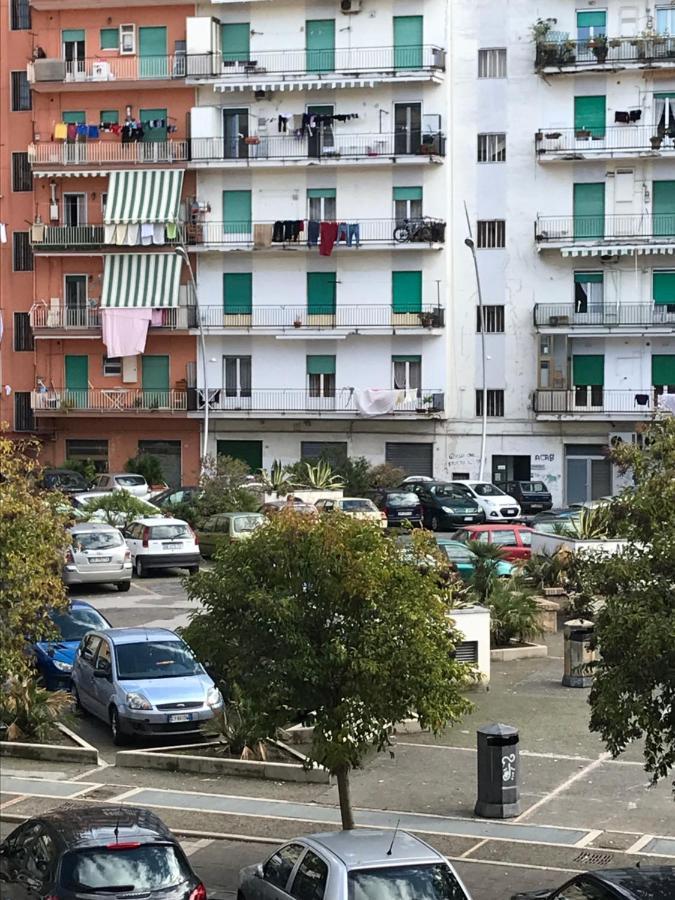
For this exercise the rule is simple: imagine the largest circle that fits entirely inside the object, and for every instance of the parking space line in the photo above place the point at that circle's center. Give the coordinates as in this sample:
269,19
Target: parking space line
201,844
589,838
11,802
475,847
640,843
534,753
85,790
101,765
125,796
563,786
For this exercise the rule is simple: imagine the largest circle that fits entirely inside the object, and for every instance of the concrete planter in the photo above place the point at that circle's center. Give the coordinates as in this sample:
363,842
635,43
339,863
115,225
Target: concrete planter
306,495
79,751
474,624
518,651
543,542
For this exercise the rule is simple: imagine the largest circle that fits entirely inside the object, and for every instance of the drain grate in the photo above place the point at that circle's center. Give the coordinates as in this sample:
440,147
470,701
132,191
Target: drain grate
593,859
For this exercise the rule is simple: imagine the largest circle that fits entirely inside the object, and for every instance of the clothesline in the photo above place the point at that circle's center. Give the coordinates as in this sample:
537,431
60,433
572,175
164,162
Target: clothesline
130,128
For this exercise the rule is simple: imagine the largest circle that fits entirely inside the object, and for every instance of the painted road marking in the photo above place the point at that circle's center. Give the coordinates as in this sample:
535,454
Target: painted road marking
36,787
534,753
563,786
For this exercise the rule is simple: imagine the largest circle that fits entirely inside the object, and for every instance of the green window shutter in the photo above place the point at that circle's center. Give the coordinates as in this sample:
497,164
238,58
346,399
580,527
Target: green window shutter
250,452
321,365
320,45
237,212
74,117
406,292
77,373
237,293
235,42
408,359
153,135
109,38
110,116
72,34
663,208
408,41
589,277
321,293
591,19
588,370
589,211
663,368
590,114
155,373
407,193
669,95
328,193
664,288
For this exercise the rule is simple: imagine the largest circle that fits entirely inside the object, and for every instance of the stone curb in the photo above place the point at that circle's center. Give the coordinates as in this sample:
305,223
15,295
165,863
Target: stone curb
83,753
528,651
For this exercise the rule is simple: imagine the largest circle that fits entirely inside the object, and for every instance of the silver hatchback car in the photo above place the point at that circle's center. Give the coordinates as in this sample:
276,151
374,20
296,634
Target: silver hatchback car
143,681
98,554
353,865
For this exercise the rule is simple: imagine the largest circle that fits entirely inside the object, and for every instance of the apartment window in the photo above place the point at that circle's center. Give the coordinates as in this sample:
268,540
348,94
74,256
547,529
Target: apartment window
91,450
20,92
237,376
492,63
23,333
22,177
665,20
20,15
321,376
112,365
492,148
407,203
588,291
495,403
321,204
109,116
407,372
109,38
493,317
23,412
22,251
491,234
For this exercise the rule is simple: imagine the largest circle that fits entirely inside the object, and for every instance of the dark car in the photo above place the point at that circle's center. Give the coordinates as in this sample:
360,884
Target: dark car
174,496
65,480
446,505
533,496
399,506
73,853
645,883
54,659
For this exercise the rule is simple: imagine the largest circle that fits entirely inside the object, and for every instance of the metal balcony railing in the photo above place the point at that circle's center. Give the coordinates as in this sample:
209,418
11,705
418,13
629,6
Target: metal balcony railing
594,401
85,318
341,400
350,62
99,70
108,400
610,315
107,153
322,145
57,238
290,318
638,228
614,140
605,52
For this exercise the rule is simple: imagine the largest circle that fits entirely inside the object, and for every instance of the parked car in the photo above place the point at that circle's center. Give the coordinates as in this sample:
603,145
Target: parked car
497,506
445,505
399,506
159,542
65,480
54,659
357,507
227,527
122,481
533,496
339,865
515,540
552,519
92,851
97,554
274,507
463,559
652,882
143,681
173,496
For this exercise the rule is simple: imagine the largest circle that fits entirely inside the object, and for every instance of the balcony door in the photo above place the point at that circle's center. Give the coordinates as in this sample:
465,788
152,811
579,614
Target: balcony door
72,41
74,209
320,45
588,375
77,380
237,381
321,135
589,211
408,39
663,209
235,132
155,381
407,128
75,295
590,24
153,52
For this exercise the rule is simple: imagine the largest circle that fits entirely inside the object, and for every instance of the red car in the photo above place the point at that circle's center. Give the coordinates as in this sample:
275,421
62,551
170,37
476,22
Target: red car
513,539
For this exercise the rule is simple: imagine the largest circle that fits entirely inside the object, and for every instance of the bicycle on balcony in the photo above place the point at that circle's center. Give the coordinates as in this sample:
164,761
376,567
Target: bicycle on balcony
414,230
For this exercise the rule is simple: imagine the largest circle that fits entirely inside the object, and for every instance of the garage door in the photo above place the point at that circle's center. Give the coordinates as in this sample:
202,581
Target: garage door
168,454
414,459
249,452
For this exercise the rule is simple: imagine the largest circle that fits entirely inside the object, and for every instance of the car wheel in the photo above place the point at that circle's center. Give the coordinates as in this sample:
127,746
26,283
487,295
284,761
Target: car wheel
434,523
78,703
241,895
192,570
118,737
123,586
139,568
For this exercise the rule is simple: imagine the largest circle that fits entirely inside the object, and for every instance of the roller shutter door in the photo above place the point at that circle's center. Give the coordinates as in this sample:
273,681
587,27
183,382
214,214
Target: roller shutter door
414,459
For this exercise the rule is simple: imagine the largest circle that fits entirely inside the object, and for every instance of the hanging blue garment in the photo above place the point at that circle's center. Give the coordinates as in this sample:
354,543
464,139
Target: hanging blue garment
81,130
92,131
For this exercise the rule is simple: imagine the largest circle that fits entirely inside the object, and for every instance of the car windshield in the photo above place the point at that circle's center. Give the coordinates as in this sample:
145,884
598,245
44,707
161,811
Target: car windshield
483,489
129,480
246,523
155,659
74,624
69,480
458,552
358,506
408,499
430,882
150,867
96,540
168,532
533,487
451,491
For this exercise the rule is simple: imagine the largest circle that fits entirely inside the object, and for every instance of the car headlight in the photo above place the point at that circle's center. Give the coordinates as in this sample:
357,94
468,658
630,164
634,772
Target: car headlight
214,697
62,666
448,509
138,701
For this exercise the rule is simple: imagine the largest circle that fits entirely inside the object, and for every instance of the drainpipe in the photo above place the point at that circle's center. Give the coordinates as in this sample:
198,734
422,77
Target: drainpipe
483,436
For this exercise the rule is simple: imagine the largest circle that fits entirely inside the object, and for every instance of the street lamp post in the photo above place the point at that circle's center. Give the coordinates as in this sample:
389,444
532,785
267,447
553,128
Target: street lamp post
483,435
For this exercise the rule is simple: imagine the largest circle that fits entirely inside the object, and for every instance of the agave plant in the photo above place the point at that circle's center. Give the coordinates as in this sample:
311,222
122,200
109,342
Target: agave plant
279,479
593,524
545,570
320,477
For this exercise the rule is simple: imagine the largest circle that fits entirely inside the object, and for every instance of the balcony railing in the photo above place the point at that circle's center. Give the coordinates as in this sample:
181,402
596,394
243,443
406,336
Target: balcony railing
639,228
81,318
608,315
291,318
317,63
108,400
603,53
57,238
107,153
596,401
98,70
281,400
320,146
615,140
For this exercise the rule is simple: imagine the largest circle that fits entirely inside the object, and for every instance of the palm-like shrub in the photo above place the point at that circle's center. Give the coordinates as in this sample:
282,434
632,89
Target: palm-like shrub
513,612
485,569
29,711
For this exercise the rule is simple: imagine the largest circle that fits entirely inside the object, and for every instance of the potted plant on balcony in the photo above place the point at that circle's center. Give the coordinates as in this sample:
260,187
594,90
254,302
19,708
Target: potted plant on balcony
656,140
426,319
600,47
297,322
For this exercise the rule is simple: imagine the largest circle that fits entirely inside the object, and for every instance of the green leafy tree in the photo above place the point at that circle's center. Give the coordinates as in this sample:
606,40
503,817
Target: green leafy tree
328,617
146,465
86,468
223,488
118,508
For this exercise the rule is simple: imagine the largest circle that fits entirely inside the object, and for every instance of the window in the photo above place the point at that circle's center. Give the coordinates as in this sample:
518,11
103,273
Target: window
407,372
89,450
22,252
492,63
588,291
237,293
665,20
237,376
406,292
492,148
278,867
334,452
663,291
582,889
21,99
104,658
20,15
663,372
506,538
22,177
493,317
407,203
591,23
310,879
664,113
89,647
495,403
321,293
112,365
588,377
109,39
321,204
321,376
23,334
127,39
491,234
23,412
104,202
109,117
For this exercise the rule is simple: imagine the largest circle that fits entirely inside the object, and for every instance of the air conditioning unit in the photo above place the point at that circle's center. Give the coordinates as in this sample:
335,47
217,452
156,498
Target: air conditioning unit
350,7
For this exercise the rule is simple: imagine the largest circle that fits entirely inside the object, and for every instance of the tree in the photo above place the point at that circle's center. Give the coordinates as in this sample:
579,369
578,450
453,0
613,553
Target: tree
327,617
223,488
633,693
146,465
119,508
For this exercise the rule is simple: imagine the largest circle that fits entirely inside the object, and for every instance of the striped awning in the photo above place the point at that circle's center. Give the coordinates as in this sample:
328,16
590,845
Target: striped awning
621,250
141,279
147,195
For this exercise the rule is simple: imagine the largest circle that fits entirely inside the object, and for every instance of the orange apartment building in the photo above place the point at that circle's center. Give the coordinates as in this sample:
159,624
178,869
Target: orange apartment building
97,358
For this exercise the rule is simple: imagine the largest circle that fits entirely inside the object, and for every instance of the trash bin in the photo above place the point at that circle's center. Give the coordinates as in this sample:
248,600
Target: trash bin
578,653
498,772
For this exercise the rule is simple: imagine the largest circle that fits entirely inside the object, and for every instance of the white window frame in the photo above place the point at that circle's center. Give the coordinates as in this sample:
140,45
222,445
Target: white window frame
81,207
127,48
327,213
670,27
408,209
238,387
112,366
492,147
411,372
492,62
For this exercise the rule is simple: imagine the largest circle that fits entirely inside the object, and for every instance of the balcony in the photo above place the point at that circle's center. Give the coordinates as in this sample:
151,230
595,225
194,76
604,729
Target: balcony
101,156
57,5
602,318
611,235
113,73
279,70
108,401
59,320
325,149
67,239
283,319
596,403
603,54
613,142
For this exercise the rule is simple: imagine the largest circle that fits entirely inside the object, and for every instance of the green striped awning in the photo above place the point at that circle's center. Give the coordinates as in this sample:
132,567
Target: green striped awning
141,279
148,195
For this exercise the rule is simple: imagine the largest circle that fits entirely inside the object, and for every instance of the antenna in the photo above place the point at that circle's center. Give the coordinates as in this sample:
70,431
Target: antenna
391,846
116,829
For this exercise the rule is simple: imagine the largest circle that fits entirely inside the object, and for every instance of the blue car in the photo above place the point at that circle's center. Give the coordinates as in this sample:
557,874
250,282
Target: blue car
54,659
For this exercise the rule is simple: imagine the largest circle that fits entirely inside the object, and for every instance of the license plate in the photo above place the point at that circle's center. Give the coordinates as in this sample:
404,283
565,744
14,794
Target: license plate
408,512
181,717
468,518
172,546
537,505
99,559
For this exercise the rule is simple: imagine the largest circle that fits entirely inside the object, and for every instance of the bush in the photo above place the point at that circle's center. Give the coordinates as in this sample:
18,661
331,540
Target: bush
86,468
29,711
119,508
546,570
513,613
484,576
146,465
223,485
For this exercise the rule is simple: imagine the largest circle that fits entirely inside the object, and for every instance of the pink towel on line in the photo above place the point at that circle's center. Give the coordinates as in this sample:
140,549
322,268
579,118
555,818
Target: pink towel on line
125,330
